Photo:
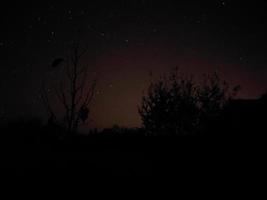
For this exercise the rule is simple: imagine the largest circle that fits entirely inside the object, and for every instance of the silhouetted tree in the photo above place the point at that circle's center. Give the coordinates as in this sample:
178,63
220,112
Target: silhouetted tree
73,91
177,105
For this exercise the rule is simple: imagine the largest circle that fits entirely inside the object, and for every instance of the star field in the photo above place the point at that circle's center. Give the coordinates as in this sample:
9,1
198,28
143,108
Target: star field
127,41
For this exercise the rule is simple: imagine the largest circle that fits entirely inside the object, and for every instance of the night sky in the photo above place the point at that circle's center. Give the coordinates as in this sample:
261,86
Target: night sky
129,40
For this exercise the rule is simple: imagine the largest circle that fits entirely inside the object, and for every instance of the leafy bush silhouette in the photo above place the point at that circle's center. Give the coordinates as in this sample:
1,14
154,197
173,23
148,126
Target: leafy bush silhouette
177,105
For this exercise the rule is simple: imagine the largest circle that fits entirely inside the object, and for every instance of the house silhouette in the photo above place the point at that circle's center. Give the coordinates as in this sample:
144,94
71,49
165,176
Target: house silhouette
243,117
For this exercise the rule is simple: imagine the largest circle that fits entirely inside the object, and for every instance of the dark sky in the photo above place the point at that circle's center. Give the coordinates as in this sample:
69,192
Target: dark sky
128,40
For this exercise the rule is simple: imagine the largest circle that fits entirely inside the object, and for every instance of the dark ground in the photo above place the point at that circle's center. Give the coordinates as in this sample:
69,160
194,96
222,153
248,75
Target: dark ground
233,145
102,156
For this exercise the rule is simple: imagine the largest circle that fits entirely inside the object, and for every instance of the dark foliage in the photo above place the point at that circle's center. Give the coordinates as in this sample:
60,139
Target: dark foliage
177,105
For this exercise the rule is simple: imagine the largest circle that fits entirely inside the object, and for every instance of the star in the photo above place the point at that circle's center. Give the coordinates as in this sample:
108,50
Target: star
82,12
70,15
51,7
155,30
242,59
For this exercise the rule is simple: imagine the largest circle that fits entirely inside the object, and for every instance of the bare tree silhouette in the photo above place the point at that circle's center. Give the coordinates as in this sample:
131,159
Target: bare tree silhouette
177,105
73,91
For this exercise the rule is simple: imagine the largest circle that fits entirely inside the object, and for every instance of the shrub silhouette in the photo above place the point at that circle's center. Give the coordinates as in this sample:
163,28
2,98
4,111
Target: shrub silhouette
177,105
